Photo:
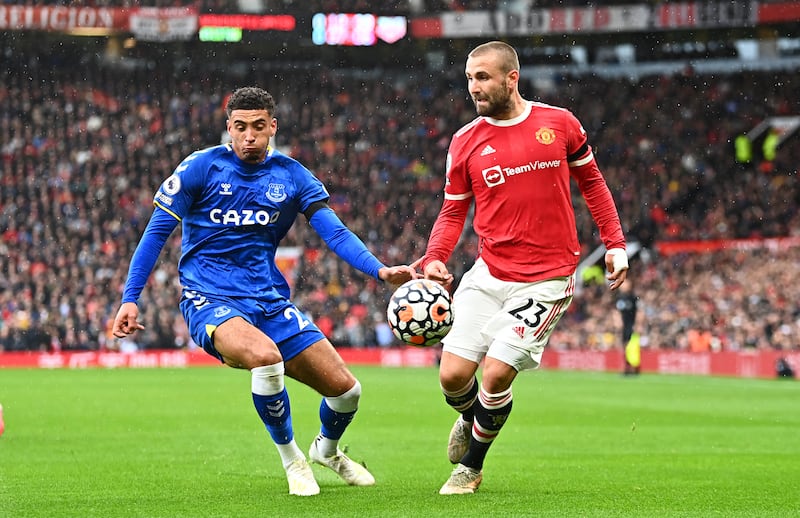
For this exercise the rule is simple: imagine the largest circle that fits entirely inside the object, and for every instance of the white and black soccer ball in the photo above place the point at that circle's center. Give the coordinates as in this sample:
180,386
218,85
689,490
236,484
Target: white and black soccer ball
420,313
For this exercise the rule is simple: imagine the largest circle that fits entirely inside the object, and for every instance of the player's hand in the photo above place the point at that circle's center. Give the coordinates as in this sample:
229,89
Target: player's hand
437,271
617,267
127,320
397,275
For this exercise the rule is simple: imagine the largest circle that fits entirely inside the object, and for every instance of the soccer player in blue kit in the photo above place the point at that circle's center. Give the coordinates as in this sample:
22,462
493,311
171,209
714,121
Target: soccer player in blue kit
235,203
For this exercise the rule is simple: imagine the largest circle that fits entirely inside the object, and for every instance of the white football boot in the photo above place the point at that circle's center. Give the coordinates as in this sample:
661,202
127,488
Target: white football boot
458,442
462,481
301,478
350,471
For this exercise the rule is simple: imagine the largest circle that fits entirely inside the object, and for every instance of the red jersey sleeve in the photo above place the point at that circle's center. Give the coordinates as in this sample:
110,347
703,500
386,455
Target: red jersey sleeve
593,187
446,230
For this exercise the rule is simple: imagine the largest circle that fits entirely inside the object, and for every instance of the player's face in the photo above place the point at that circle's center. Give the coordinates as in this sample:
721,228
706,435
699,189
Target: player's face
489,87
250,131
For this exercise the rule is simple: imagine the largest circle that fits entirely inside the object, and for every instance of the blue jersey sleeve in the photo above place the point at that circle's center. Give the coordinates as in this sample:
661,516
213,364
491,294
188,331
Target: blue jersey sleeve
178,192
158,229
344,242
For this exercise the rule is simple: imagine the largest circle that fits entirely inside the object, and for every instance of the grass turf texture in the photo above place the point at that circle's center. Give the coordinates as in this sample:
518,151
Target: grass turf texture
187,443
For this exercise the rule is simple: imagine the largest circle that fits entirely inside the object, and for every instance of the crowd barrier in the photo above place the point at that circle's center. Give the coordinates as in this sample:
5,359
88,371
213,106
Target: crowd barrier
745,364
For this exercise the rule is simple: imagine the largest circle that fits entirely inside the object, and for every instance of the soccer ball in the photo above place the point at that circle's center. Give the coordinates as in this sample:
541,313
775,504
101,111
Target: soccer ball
420,313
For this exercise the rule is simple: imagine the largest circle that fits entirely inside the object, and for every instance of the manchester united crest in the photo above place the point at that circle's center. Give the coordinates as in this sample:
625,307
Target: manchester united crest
545,136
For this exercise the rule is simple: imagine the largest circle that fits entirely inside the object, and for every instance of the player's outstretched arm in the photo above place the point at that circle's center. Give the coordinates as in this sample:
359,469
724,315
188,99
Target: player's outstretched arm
349,246
445,234
127,320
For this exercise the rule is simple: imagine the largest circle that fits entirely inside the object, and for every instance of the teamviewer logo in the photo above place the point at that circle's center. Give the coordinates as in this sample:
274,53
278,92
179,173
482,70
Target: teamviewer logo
493,176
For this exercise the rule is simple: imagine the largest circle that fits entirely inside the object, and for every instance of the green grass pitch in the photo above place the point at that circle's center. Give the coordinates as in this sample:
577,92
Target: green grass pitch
187,443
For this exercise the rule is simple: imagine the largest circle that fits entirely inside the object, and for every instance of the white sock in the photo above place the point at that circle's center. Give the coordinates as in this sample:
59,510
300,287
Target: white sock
289,452
326,447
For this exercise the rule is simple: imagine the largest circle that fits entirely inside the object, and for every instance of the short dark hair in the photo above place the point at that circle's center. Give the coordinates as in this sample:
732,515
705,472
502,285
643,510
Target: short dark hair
507,59
250,98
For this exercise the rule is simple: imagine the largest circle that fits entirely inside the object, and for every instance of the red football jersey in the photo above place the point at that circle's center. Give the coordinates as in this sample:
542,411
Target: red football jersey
518,172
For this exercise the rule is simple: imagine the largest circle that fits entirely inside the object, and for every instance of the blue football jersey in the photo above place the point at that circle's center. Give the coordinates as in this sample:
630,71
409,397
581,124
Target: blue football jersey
233,215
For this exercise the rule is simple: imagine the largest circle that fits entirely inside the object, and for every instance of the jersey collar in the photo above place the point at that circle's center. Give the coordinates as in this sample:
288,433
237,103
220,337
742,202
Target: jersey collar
511,122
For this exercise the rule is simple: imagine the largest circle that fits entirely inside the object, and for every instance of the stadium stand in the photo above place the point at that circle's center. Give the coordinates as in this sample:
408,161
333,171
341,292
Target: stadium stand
84,149
343,6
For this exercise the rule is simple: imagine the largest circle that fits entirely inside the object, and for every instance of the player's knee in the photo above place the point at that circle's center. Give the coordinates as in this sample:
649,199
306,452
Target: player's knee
258,357
347,402
453,381
268,380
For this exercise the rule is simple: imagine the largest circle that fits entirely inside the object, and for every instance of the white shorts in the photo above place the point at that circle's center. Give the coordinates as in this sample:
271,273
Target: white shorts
508,321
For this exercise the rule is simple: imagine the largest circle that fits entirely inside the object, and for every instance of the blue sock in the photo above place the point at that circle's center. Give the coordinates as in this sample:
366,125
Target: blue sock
276,413
333,423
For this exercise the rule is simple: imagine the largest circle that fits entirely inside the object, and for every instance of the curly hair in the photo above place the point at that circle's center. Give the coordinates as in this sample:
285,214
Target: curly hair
250,98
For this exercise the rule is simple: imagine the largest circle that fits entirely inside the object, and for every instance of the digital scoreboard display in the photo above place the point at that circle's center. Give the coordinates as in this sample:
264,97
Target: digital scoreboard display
357,29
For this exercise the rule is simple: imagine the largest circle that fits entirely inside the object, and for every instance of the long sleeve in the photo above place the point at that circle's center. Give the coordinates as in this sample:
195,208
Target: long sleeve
344,242
155,235
446,230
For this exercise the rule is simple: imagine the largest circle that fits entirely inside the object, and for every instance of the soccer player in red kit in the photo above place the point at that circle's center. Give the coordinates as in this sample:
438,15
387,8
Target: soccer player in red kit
515,161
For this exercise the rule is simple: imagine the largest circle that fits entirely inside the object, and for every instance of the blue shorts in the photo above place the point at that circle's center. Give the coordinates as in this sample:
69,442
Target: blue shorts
280,320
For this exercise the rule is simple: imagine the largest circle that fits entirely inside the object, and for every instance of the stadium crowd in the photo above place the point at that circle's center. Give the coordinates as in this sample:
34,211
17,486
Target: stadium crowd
84,149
